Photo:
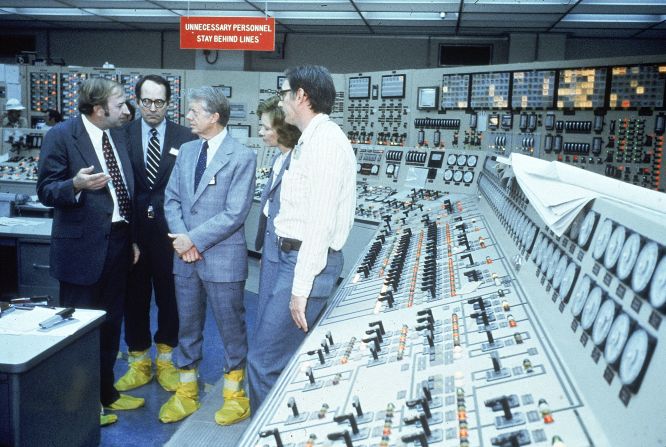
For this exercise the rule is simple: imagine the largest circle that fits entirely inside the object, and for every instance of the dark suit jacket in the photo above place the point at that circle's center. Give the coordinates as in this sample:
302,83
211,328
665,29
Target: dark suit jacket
270,194
80,232
174,136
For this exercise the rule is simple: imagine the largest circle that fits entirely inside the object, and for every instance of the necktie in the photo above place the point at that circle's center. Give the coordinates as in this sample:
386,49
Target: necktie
153,157
118,183
201,164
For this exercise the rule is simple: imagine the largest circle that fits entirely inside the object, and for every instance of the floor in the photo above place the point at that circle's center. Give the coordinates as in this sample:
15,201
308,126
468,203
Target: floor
142,427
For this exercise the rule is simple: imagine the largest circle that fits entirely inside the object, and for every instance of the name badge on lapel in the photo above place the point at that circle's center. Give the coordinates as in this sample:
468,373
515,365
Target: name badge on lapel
212,181
173,151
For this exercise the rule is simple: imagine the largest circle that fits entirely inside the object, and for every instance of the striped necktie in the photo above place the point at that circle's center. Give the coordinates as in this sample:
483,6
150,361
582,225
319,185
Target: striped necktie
153,157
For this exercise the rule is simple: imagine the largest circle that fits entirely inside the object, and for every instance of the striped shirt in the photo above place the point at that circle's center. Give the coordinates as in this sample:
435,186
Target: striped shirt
317,198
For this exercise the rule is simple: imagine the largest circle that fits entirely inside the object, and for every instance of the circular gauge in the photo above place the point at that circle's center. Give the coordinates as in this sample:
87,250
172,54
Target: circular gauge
520,226
574,229
468,177
568,280
645,264
374,169
457,176
546,256
628,256
552,263
634,356
603,322
658,286
537,248
472,160
601,238
462,160
448,175
617,336
591,308
614,248
451,159
586,228
358,167
560,268
580,295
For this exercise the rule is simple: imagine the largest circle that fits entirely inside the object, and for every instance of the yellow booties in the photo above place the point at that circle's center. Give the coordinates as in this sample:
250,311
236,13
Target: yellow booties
167,374
139,373
127,402
236,406
106,419
185,401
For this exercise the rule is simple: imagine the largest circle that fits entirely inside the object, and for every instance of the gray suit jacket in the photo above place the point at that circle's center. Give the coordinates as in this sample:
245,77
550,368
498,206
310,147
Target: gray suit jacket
213,216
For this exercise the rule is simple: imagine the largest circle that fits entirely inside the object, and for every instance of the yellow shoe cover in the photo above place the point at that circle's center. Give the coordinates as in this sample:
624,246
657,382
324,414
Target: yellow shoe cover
167,374
127,402
236,406
106,419
185,401
139,373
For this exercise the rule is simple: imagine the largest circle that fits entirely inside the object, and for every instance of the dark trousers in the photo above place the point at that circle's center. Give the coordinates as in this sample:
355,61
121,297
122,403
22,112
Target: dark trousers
107,294
153,271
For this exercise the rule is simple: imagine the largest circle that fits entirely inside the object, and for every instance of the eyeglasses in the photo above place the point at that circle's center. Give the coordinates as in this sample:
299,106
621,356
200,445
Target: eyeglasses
282,93
158,103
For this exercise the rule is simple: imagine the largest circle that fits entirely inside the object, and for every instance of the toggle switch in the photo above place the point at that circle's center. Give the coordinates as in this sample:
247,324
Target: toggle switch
419,436
275,433
291,403
341,435
348,417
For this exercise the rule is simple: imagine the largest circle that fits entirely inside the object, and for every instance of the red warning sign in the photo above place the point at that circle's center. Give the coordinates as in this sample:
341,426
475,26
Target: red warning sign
228,33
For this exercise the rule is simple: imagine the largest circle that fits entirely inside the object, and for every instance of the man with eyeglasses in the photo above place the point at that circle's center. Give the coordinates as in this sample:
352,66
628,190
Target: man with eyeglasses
154,142
317,204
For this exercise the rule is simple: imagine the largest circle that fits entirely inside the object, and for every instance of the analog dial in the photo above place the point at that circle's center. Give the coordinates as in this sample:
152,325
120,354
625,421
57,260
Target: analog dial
457,176
568,280
591,308
645,264
634,357
617,337
580,295
614,248
472,160
448,175
601,238
586,228
560,268
658,286
603,322
628,256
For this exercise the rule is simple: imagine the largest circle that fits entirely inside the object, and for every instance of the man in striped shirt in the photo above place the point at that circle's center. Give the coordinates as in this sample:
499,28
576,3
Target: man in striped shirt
318,199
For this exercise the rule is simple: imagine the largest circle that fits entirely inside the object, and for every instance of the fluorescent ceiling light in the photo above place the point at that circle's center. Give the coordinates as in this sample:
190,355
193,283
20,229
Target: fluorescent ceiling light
47,11
614,18
518,2
131,12
402,16
622,2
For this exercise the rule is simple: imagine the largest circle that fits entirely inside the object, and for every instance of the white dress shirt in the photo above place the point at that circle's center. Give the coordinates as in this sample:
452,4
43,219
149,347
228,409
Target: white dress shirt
213,145
317,198
95,134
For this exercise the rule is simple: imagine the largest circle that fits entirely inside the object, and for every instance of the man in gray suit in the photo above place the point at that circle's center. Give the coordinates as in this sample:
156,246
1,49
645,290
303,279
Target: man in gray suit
207,200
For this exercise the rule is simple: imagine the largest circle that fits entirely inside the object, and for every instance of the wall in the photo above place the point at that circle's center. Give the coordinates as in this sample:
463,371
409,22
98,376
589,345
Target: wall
590,48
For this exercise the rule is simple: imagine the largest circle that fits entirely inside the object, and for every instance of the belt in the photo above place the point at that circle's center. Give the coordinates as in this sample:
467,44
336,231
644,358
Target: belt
287,244
121,224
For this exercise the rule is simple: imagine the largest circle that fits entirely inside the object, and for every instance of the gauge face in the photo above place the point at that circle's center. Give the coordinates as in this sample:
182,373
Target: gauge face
457,176
560,268
617,337
645,264
358,167
614,248
658,286
580,295
601,238
448,175
451,159
634,357
462,160
468,177
530,233
537,248
628,256
374,169
568,280
586,228
546,256
472,160
603,322
552,263
591,308
574,229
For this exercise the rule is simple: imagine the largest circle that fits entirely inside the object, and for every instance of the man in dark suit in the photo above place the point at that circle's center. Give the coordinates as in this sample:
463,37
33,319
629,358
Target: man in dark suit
85,174
207,200
153,146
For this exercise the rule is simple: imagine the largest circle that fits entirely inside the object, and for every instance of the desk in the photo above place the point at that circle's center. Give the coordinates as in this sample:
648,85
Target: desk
24,249
49,388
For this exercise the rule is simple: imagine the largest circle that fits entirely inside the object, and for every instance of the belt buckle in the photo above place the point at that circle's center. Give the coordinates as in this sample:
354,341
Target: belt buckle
150,212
